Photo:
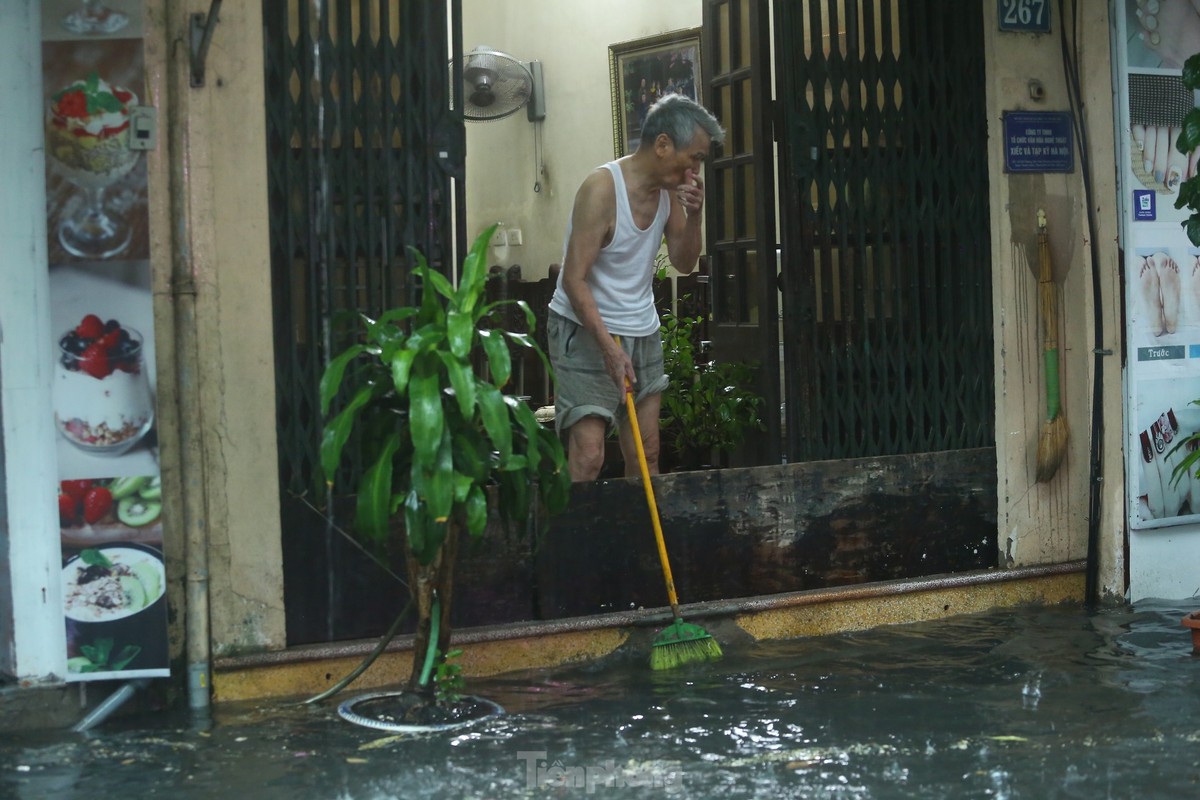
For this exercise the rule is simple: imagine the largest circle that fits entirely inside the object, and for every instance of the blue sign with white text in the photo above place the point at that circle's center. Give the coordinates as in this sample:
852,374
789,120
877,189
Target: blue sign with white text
1038,141
1143,205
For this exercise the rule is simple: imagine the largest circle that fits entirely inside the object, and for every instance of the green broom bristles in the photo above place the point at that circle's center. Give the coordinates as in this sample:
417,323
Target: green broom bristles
680,644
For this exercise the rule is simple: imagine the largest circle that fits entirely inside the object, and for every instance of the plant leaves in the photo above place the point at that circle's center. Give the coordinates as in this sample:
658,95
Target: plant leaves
476,508
460,329
1191,72
416,524
375,494
514,495
439,283
402,368
462,486
393,316
437,482
523,414
1192,226
1189,134
467,458
128,653
425,408
474,271
499,360
331,380
521,339
429,460
337,431
554,479
495,420
462,380
530,317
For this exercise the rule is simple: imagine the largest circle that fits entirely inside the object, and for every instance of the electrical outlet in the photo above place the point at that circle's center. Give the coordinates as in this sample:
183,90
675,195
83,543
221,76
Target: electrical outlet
514,236
500,238
143,122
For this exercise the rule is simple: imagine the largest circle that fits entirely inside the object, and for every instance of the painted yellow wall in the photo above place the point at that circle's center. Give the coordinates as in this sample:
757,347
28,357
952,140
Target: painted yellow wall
571,39
210,249
1047,522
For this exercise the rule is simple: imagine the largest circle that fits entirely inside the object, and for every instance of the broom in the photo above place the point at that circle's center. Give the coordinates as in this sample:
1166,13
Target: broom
679,643
1052,443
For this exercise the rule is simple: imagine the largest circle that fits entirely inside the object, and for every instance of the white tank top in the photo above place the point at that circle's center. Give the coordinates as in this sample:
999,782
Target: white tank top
622,278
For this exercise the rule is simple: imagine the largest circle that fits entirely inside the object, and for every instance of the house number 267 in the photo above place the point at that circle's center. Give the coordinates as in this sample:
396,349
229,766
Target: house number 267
1024,15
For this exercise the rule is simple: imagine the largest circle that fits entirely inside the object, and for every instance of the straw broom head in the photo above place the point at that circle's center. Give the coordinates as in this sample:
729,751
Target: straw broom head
1052,441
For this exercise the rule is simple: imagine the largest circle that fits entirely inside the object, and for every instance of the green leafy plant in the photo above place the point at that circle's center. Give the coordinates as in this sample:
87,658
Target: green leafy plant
442,444
709,407
1189,140
1190,462
448,680
96,657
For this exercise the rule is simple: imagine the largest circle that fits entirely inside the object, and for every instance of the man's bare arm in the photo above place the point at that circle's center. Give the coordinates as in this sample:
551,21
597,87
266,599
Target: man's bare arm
683,226
592,221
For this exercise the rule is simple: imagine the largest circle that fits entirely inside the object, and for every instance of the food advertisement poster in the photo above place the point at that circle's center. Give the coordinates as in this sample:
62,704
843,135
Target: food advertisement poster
109,492
1162,267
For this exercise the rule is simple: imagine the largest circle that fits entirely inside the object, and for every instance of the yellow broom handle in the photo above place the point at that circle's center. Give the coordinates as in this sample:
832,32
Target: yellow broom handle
658,534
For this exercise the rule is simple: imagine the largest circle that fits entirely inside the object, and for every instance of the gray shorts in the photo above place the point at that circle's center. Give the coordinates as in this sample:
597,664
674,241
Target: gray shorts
583,387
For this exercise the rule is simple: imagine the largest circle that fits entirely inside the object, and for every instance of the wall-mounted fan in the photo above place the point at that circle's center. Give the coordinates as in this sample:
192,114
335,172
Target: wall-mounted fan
497,85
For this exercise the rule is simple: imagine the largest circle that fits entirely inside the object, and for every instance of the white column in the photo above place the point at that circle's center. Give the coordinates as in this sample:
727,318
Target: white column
34,647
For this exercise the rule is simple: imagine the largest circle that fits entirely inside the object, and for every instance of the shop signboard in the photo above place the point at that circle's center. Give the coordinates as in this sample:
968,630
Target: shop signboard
103,363
1162,269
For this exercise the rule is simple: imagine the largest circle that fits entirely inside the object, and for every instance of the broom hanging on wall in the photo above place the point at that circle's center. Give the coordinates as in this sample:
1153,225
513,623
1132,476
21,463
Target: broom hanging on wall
1052,442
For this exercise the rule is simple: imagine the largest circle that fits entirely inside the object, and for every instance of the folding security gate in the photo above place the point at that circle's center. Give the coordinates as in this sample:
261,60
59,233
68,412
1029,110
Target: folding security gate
362,149
885,268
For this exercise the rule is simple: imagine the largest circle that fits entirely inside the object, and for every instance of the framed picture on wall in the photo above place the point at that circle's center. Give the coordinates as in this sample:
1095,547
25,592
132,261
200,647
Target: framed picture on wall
642,71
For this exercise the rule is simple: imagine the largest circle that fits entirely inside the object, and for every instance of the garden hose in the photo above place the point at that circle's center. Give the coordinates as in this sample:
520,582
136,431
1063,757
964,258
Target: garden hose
431,651
366,662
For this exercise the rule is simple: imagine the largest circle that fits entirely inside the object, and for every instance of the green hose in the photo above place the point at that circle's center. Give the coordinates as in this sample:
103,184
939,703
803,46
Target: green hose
368,661
431,651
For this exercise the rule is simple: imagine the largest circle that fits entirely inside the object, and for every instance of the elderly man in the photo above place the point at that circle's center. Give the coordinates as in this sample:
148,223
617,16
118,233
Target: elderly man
622,212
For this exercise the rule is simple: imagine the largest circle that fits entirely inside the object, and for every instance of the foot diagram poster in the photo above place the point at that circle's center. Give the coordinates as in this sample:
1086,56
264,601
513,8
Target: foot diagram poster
1162,267
109,493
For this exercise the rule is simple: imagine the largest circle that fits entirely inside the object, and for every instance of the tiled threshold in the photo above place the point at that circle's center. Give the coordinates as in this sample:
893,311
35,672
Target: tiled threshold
496,649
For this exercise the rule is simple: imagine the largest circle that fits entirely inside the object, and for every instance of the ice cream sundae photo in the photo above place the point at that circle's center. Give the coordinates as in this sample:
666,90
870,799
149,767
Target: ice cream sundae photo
87,143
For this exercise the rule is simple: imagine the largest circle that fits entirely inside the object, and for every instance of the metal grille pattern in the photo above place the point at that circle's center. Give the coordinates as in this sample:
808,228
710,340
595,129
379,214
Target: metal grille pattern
886,273
361,149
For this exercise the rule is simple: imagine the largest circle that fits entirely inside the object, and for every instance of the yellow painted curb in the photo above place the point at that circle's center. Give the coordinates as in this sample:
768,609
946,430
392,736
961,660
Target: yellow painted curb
308,671
390,669
854,614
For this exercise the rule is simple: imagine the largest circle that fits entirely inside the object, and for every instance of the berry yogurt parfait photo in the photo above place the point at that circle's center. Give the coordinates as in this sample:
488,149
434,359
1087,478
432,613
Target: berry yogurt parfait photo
102,401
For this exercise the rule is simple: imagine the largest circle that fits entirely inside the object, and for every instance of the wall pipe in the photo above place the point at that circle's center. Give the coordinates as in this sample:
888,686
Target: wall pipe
110,704
1070,56
187,365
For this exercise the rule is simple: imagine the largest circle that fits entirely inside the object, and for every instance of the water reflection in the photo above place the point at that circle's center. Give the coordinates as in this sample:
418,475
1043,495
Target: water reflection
1037,703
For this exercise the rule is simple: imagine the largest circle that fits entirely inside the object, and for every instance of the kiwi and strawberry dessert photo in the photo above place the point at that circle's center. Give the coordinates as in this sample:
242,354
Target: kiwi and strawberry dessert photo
109,506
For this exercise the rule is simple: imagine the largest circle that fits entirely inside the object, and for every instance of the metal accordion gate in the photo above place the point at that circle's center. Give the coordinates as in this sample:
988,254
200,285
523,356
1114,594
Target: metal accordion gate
885,264
362,151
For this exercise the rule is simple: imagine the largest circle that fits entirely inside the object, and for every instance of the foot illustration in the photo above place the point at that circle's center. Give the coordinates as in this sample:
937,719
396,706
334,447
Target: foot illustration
1151,300
1168,289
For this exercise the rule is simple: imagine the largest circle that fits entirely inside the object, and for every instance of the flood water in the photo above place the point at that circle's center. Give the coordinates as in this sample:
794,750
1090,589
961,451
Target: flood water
1036,703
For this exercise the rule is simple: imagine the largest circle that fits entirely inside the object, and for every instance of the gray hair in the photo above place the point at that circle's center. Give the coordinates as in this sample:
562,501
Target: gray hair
677,116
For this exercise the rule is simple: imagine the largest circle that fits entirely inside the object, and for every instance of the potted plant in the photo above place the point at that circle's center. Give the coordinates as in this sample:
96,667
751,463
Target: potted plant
441,445
1189,140
709,406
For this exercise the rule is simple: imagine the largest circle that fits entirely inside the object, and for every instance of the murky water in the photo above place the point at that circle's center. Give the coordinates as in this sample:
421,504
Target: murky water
1037,703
